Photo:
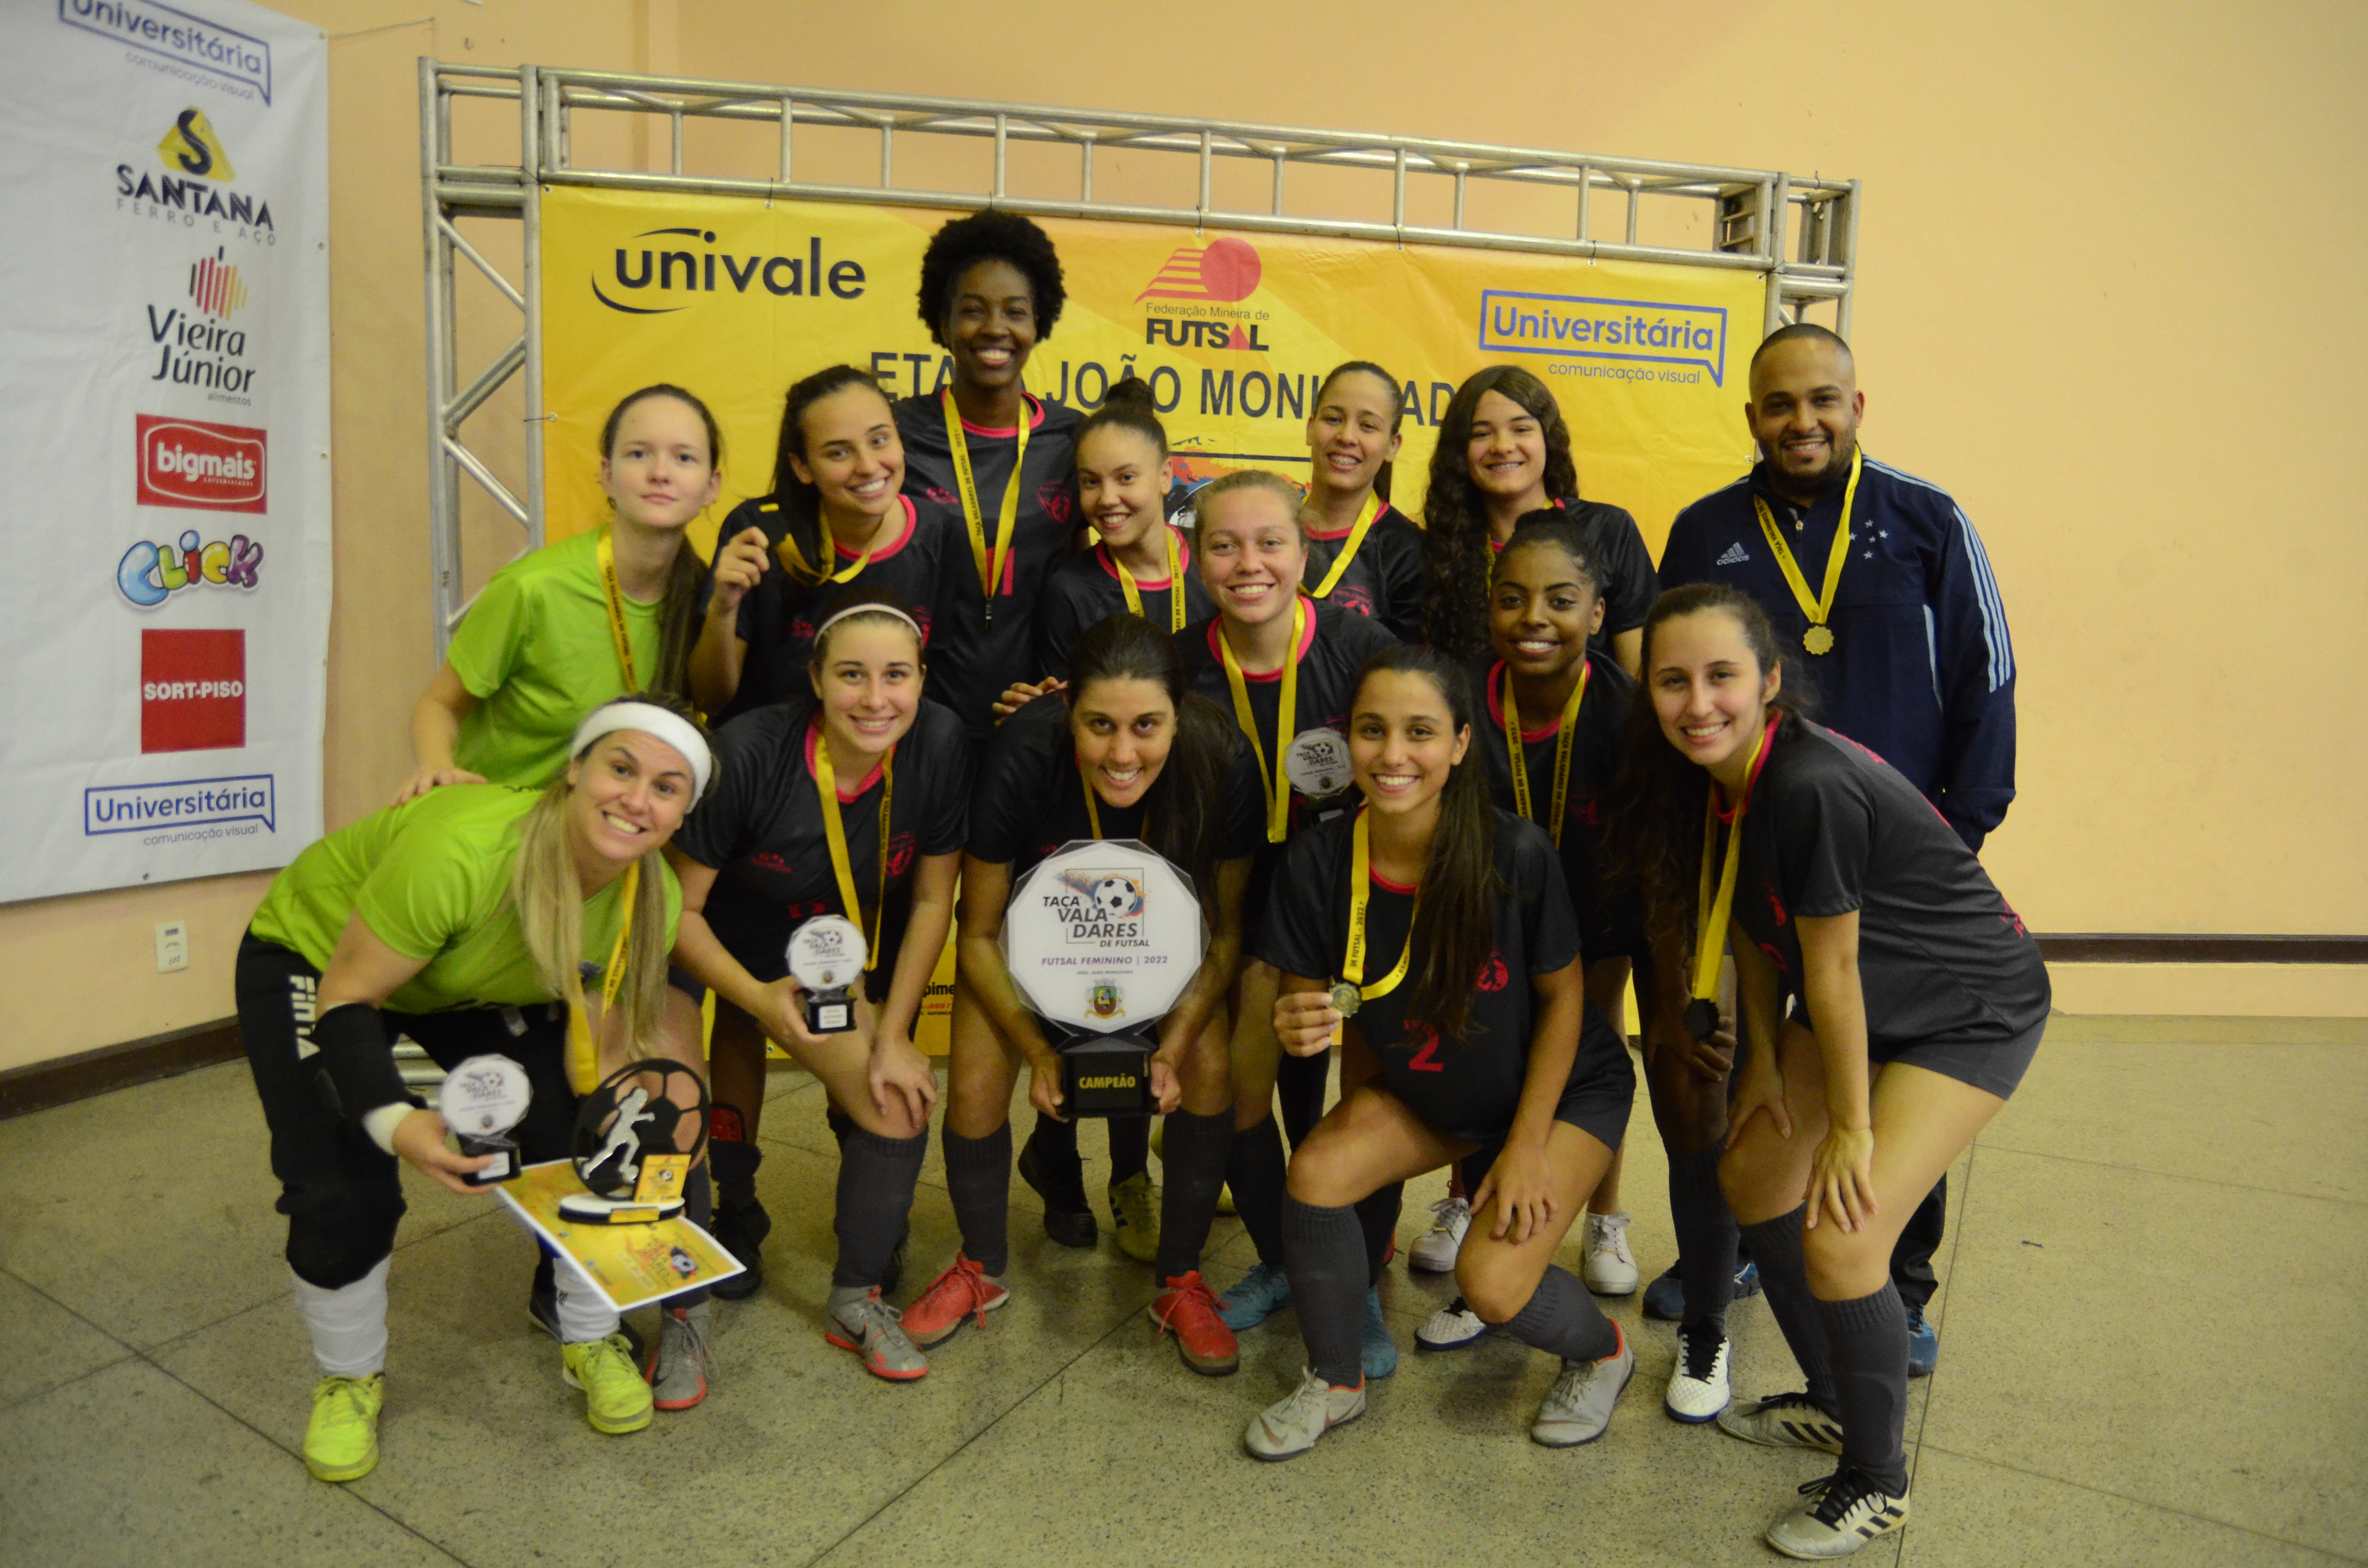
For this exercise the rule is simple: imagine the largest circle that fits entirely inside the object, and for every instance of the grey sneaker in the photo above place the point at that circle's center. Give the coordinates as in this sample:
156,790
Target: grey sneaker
1843,1512
1787,1421
1578,1407
678,1370
871,1327
1288,1429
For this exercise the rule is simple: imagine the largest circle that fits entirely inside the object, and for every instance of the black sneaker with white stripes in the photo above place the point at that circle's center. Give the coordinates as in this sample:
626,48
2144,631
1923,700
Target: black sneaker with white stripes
1841,1513
1787,1421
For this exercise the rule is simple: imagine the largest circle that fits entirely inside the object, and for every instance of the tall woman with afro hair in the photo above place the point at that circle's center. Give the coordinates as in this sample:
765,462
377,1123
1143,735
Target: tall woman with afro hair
990,289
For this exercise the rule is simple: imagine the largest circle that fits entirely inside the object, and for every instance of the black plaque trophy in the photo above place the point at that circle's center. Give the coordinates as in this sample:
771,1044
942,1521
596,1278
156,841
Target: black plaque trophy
1102,937
481,1100
826,956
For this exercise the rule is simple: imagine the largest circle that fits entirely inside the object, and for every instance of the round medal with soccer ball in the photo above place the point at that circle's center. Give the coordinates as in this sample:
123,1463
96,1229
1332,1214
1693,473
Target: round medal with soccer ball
481,1100
1102,937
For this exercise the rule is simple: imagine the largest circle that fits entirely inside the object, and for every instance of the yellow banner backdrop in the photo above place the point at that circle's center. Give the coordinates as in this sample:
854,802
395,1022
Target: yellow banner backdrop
735,298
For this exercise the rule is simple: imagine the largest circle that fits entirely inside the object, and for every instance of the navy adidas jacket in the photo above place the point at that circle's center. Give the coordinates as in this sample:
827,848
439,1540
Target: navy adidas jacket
1922,671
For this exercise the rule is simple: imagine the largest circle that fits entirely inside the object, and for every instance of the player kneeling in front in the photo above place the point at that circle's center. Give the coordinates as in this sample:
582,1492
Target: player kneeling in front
458,919
1918,1000
1436,931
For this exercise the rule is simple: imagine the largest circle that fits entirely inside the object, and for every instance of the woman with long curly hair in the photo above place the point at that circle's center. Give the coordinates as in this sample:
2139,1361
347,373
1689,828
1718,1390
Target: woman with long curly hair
1504,452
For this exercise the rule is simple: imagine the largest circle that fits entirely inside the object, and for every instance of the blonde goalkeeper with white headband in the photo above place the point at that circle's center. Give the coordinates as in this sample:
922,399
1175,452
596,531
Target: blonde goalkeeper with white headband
478,919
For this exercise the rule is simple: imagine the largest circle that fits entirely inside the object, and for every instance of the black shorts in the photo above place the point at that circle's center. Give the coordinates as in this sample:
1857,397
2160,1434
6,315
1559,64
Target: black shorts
1596,1098
1993,1066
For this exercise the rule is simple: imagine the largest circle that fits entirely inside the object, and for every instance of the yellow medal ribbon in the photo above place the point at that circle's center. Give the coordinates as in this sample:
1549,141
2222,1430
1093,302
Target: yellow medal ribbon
793,559
1278,783
959,443
1174,584
615,596
1365,516
1562,751
1361,892
1819,637
1713,907
825,780
583,1051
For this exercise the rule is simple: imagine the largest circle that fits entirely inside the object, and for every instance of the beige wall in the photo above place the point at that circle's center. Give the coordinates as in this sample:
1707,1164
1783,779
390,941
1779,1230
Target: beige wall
2110,297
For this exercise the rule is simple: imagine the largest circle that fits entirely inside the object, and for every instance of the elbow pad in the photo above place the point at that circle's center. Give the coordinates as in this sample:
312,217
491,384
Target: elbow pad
354,1062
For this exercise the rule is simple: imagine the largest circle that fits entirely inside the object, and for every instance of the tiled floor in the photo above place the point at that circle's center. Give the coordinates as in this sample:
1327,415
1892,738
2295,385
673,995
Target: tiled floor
2153,1353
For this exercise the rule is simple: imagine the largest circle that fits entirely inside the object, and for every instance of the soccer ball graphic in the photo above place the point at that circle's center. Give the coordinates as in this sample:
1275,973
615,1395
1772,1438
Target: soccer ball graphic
1116,897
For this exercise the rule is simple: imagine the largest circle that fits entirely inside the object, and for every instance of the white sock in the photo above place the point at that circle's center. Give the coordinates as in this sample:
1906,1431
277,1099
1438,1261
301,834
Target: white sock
348,1324
584,1313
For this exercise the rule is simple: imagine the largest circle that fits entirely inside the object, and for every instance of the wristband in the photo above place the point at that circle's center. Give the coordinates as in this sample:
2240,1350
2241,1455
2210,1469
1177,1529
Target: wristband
355,1063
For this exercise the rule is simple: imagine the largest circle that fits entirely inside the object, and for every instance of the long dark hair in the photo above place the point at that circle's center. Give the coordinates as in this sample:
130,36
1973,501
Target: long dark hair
1455,916
1654,840
1185,804
800,502
1398,407
1455,515
677,619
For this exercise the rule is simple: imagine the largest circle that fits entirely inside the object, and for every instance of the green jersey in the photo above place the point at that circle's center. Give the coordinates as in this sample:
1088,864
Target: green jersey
536,653
431,879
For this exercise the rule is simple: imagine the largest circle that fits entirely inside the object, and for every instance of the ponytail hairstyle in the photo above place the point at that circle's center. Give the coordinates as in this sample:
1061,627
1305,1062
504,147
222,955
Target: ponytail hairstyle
1185,805
800,502
1130,404
1552,527
1398,407
1455,514
677,620
548,901
1455,914
1652,843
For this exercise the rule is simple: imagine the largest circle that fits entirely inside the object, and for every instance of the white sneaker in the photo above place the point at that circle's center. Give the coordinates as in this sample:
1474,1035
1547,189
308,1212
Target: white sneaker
1288,1429
1435,1252
1698,1385
1451,1327
1578,1407
1841,1513
1610,1268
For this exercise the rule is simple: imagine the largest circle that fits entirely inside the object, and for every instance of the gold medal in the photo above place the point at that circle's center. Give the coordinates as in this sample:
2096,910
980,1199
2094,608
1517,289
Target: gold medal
1819,607
1346,999
1819,640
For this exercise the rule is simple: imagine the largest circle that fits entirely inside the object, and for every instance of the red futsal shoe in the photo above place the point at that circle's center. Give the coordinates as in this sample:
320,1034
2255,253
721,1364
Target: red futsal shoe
963,1291
1187,1309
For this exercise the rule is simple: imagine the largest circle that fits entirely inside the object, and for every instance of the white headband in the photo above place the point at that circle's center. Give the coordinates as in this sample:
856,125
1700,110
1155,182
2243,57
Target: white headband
651,720
870,608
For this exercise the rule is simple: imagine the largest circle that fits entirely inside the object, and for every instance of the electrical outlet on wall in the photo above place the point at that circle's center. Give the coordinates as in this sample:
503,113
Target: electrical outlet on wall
172,946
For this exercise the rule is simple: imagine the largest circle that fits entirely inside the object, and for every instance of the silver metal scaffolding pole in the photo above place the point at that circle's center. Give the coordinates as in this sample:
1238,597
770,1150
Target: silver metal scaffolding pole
1751,213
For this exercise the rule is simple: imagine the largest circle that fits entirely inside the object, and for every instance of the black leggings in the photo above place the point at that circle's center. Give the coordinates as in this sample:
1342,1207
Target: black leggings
342,1194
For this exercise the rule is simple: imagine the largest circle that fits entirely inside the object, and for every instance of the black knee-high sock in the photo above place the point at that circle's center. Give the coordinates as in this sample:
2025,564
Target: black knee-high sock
876,1194
733,1158
1867,1339
1130,1146
1377,1217
1056,1144
1254,1169
1777,1245
978,1173
698,1208
1194,1163
1561,1317
1323,1254
1706,1237
1300,1083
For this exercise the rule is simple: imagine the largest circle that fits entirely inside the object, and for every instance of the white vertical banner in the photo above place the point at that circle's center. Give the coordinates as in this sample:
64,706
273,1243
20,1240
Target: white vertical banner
165,381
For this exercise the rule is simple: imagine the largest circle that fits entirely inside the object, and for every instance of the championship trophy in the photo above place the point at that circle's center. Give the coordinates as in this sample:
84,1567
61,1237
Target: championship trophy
482,1099
625,1147
826,956
1102,937
1317,763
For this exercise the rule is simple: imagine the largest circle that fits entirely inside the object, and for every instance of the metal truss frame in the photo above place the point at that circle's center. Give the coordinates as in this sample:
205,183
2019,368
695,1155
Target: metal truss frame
1801,233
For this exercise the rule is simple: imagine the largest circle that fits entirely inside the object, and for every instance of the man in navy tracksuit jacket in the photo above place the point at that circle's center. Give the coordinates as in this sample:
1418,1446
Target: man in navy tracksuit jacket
1920,670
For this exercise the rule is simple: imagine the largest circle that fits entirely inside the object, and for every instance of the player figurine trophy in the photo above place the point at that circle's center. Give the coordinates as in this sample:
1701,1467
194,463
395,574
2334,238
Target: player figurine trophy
627,1138
1102,937
481,1100
826,956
